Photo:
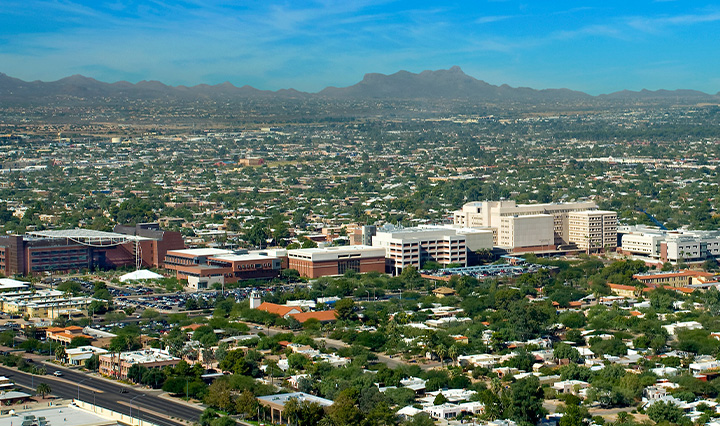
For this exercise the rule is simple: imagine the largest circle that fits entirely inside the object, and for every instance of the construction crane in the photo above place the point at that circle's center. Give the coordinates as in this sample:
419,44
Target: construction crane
653,220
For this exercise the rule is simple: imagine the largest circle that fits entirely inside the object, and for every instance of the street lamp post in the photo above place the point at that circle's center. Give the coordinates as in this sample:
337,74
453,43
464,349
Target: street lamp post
131,401
368,293
78,385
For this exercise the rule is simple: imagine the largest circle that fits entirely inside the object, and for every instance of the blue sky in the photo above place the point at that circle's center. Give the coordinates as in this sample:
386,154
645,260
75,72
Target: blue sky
593,46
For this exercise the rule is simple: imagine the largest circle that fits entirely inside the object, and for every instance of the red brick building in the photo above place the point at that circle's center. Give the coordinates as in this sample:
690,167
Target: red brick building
320,262
76,249
204,267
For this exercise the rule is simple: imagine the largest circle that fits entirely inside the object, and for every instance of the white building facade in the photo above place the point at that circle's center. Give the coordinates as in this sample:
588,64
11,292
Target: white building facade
414,246
535,227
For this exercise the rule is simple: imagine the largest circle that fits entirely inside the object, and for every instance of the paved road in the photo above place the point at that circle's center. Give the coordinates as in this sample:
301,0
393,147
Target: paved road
107,394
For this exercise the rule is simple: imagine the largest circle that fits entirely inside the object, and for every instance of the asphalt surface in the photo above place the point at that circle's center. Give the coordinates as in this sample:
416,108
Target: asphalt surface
149,407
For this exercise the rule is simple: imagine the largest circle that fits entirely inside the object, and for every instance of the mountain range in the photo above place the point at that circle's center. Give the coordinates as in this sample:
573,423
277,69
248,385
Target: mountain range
447,84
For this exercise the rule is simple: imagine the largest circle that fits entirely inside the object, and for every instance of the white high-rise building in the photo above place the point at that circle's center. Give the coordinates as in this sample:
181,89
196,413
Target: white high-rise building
593,229
527,227
415,246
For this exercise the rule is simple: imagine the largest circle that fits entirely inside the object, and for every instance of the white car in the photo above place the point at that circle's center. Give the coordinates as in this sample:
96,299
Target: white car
58,373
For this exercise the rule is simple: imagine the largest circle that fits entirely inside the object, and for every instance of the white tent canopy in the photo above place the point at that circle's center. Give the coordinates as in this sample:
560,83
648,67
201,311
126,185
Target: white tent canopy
142,274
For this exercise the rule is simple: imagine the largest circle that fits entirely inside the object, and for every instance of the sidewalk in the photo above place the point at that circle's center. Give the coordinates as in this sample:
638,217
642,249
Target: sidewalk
167,396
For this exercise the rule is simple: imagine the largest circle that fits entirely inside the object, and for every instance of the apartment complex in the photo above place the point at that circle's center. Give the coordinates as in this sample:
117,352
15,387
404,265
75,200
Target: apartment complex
69,250
653,244
320,262
43,304
204,267
415,246
539,227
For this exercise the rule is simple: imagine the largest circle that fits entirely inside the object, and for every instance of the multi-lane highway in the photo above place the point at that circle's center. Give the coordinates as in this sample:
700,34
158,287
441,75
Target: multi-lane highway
103,393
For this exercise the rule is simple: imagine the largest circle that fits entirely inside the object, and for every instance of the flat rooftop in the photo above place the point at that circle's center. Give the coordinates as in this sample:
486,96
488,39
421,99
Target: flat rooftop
282,398
341,249
59,416
243,257
8,283
145,356
201,252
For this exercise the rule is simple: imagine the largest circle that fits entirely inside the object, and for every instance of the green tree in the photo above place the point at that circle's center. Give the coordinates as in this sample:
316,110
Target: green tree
92,363
526,401
43,389
565,351
246,404
420,419
60,353
453,353
344,410
574,414
207,416
345,309
440,399
220,395
666,411
441,351
303,413
223,421
154,377
136,372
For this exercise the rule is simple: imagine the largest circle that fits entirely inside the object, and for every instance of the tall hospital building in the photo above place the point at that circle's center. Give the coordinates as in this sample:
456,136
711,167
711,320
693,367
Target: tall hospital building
541,227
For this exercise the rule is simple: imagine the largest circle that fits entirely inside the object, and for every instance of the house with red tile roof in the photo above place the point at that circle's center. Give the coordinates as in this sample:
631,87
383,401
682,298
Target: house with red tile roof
281,310
322,316
66,334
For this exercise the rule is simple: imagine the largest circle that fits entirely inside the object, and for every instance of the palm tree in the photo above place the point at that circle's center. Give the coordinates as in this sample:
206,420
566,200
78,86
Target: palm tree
453,353
639,289
623,417
60,353
441,351
43,389
496,386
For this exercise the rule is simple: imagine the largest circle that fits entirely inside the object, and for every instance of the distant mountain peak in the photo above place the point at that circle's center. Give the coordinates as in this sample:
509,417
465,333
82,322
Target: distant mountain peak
452,83
443,84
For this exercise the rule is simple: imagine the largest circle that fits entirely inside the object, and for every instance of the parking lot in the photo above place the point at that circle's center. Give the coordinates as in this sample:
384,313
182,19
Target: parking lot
487,271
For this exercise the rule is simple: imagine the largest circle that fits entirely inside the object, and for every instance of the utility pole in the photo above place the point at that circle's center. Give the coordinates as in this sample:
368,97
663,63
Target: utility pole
78,385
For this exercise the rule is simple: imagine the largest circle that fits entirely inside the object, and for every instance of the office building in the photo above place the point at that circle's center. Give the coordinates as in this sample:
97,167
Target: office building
76,249
204,267
593,230
415,246
655,245
118,365
536,227
320,262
